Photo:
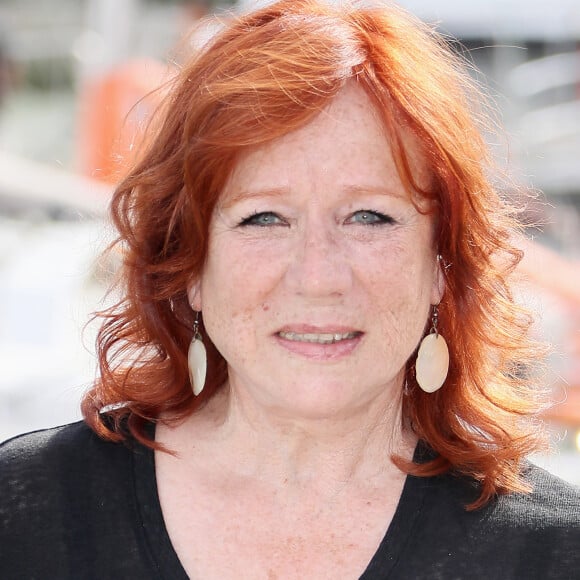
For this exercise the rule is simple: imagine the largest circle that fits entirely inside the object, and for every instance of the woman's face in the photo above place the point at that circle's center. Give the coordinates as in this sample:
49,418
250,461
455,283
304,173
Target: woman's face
320,272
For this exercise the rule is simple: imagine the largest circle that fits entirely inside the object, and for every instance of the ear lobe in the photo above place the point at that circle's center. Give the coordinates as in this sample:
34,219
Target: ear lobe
194,295
438,282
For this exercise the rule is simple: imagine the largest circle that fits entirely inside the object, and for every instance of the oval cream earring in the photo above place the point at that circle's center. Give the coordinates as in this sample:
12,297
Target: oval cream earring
432,363
197,359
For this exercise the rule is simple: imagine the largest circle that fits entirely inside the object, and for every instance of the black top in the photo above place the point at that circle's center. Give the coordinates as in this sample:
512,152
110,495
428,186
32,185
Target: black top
73,506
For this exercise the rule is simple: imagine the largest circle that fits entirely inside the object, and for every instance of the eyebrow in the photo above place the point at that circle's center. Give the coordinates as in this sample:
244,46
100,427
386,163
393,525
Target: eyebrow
376,190
355,190
230,199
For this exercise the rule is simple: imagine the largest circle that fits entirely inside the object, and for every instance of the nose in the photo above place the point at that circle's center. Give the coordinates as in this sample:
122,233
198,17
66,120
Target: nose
319,266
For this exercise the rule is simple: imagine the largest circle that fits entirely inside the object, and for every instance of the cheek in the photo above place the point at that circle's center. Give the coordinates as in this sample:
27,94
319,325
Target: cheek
402,325
226,313
247,268
401,289
236,287
402,306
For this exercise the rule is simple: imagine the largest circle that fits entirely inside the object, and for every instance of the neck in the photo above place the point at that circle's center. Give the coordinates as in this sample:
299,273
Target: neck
271,445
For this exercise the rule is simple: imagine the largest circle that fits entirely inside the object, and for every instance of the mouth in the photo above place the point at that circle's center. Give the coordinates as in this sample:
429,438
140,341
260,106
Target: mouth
318,337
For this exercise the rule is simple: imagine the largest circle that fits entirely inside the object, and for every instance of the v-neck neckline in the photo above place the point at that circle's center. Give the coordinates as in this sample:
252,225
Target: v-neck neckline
405,519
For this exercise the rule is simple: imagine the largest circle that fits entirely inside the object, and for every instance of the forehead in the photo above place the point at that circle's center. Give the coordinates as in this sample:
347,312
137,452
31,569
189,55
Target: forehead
346,143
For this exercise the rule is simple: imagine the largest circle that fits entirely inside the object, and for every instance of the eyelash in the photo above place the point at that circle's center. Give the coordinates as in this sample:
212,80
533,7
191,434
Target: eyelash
382,218
252,220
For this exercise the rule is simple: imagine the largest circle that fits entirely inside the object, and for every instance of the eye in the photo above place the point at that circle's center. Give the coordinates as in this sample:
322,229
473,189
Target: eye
369,218
263,219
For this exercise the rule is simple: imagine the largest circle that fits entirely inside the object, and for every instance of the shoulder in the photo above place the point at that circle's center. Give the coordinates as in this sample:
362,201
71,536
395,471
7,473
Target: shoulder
539,531
51,449
550,500
58,486
44,441
547,517
517,535
39,449
551,504
59,466
68,493
550,488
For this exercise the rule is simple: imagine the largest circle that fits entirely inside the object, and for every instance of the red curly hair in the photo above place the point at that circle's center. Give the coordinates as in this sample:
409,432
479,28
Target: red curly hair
266,74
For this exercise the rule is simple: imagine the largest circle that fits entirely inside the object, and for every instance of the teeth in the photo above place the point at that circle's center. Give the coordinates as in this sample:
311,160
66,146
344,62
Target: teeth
324,338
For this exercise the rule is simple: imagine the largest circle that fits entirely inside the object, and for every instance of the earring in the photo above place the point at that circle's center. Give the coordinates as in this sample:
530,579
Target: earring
197,359
432,363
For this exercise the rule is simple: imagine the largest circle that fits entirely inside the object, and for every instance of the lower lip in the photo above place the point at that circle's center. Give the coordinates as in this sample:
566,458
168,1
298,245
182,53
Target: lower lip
318,351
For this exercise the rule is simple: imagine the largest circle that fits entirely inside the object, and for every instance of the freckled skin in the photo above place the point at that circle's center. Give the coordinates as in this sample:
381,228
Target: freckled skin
319,263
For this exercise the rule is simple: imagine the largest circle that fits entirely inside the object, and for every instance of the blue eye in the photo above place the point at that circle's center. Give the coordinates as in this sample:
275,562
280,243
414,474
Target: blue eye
262,219
370,218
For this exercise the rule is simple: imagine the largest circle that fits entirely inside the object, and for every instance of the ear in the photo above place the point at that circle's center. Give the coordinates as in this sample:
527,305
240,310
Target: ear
438,282
194,295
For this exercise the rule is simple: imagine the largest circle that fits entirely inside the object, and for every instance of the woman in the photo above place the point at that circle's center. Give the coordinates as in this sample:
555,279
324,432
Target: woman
312,221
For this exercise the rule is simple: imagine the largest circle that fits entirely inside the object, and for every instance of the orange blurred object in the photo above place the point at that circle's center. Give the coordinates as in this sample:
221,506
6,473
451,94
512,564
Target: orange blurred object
114,109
